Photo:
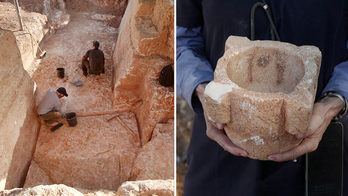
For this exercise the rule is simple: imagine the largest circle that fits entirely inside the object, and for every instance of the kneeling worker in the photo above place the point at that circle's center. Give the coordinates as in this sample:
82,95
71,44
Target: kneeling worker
93,61
49,109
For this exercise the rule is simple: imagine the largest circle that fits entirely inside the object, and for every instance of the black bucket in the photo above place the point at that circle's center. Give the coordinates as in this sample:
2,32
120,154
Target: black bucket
71,118
60,72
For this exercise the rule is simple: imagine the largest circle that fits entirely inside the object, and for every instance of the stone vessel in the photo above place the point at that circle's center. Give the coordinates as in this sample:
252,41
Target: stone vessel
264,91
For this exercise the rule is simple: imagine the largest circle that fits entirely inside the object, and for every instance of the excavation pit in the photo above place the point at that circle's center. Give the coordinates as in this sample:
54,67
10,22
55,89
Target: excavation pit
99,153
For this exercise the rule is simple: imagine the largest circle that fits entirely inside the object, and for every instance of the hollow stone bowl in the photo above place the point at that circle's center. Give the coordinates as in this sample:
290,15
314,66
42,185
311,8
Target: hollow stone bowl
264,91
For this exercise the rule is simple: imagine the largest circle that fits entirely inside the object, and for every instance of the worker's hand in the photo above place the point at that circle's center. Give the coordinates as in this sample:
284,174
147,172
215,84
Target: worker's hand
322,114
215,131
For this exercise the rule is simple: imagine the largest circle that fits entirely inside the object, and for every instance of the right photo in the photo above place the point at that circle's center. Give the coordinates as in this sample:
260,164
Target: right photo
261,92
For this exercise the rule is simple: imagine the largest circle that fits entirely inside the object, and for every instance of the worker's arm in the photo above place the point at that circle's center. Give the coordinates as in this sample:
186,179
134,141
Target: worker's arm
193,73
85,57
192,67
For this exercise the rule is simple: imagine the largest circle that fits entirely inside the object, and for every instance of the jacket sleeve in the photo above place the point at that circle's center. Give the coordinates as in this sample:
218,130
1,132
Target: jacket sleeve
339,81
192,66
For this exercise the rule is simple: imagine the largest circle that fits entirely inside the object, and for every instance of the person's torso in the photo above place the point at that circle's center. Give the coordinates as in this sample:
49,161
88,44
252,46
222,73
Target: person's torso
321,23
96,60
49,102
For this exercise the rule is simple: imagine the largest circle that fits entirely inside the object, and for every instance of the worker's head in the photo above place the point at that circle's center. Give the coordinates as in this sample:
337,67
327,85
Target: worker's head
96,44
62,92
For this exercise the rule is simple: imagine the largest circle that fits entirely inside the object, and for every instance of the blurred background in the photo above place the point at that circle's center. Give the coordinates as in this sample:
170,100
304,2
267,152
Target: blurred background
184,122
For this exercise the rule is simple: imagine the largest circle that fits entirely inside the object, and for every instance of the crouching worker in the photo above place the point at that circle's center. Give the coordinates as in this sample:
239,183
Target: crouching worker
93,61
49,109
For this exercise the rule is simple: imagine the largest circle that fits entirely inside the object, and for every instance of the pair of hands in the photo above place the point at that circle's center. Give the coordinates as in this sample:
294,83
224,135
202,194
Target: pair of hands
322,114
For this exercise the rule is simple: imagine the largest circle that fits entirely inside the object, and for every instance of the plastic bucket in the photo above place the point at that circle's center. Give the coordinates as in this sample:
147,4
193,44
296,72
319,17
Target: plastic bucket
71,118
60,72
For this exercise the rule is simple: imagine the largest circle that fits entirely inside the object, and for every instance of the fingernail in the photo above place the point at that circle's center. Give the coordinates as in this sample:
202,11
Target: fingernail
271,158
299,136
243,155
219,125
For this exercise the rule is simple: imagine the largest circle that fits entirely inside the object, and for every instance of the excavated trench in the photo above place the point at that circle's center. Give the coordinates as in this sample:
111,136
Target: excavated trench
103,139
100,151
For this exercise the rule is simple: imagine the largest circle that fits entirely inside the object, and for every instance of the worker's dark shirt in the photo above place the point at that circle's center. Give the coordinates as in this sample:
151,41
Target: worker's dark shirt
96,61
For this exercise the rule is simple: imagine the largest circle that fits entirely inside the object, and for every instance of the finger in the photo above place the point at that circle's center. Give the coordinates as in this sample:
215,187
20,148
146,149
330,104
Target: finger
218,125
317,126
220,137
306,146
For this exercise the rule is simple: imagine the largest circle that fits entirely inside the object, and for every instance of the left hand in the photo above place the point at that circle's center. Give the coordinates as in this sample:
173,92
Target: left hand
215,131
322,114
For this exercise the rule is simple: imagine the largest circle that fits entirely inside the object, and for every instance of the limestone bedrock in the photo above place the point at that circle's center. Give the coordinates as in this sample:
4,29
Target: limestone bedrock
264,91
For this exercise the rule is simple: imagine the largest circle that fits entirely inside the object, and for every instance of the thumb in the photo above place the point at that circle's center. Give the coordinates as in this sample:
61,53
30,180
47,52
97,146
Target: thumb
220,125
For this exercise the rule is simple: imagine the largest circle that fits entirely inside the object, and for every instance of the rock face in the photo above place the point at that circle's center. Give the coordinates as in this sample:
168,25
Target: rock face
43,190
147,187
85,158
100,6
57,15
144,46
264,91
18,127
114,141
28,39
150,163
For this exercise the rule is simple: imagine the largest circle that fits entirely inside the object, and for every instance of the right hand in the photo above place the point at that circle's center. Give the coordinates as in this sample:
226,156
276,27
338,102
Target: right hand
215,131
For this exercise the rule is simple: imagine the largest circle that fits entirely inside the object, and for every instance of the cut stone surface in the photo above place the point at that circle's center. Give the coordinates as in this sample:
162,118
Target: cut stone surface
144,46
18,124
147,187
264,91
149,163
34,30
98,154
129,188
55,190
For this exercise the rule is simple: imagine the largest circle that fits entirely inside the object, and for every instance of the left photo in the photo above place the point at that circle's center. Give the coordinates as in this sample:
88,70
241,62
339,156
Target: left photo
88,97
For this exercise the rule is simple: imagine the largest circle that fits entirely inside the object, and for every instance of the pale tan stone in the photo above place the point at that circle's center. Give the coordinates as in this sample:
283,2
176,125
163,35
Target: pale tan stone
55,190
18,124
129,188
144,46
36,176
100,151
264,91
34,30
97,155
147,187
156,108
152,32
156,158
